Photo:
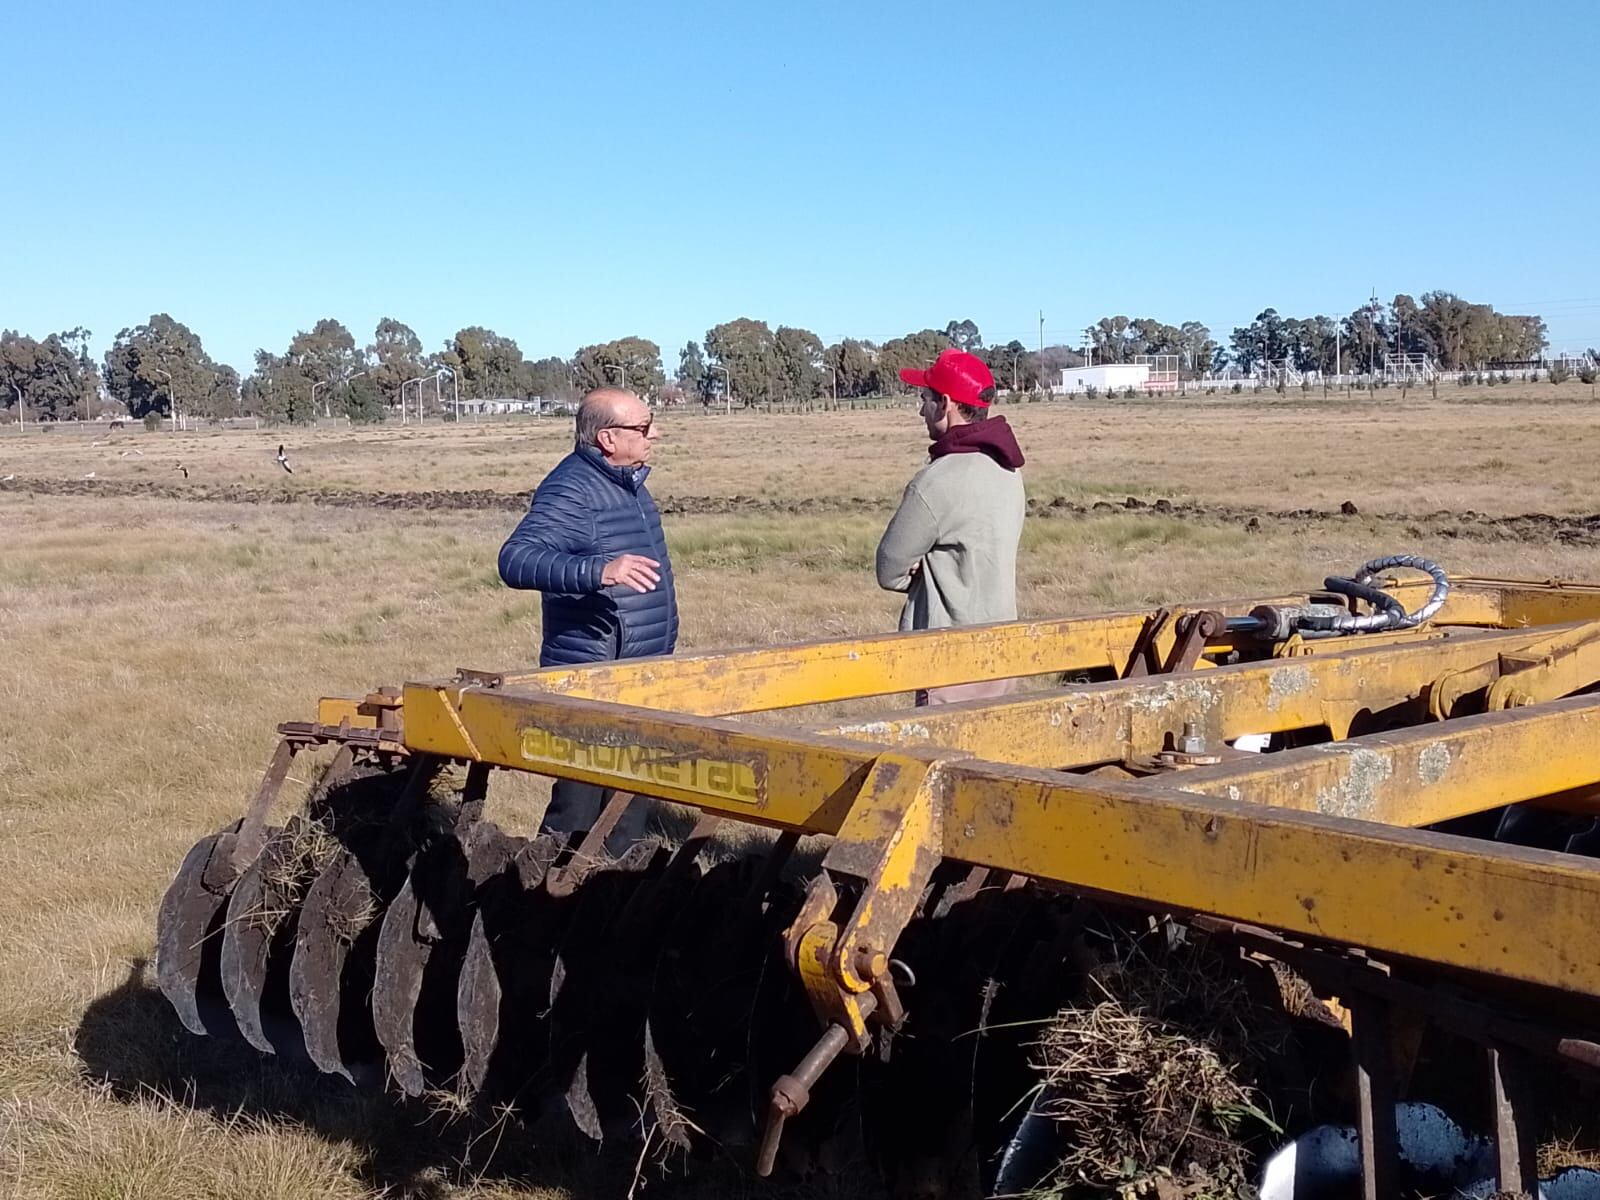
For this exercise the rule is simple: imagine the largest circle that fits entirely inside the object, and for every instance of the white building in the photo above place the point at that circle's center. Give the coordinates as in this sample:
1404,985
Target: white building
1110,377
500,406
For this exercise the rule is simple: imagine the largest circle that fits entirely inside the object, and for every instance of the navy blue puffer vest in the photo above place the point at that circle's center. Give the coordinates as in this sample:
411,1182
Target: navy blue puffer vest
585,513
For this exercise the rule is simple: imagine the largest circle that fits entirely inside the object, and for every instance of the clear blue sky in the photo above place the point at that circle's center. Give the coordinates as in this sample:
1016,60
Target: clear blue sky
570,173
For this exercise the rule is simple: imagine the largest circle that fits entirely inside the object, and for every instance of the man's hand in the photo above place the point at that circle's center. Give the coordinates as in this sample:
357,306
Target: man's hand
632,570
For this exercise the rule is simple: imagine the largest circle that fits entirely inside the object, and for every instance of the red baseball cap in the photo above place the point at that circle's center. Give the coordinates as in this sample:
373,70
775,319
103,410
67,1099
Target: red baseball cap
956,374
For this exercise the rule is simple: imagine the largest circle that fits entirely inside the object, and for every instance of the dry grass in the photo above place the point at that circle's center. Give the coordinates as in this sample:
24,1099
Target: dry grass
1521,448
1151,1076
150,646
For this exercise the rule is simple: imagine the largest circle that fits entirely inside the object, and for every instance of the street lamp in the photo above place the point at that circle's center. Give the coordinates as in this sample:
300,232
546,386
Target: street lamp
172,394
727,389
455,390
418,381
835,371
621,369
20,423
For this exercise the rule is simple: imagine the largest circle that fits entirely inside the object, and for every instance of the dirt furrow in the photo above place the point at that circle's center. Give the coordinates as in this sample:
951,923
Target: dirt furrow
1581,530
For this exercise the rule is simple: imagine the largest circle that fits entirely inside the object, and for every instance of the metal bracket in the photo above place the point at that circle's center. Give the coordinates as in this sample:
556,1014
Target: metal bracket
891,840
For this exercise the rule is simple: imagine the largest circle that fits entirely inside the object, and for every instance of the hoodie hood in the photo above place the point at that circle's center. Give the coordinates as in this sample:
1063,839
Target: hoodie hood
992,437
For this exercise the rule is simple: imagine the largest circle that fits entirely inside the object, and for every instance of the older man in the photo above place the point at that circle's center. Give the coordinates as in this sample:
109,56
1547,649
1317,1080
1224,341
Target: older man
592,544
951,547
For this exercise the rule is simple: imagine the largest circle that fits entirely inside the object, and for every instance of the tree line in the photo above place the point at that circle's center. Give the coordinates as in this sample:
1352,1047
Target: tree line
161,366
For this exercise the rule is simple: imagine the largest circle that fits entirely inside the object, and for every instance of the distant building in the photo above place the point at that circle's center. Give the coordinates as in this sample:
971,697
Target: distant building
1109,377
501,407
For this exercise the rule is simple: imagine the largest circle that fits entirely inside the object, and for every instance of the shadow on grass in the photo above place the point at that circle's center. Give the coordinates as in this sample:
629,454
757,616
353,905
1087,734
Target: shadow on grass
131,1040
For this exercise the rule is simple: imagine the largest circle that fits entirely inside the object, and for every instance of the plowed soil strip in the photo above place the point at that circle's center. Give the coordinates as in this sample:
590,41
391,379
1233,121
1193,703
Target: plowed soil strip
1520,527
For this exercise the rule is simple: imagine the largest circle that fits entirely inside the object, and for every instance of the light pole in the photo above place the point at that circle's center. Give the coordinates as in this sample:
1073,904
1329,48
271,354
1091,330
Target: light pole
314,386
1013,370
172,394
727,388
18,391
418,381
835,371
620,368
455,390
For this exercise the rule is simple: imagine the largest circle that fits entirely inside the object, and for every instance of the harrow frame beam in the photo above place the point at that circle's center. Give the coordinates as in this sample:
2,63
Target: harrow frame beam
1128,787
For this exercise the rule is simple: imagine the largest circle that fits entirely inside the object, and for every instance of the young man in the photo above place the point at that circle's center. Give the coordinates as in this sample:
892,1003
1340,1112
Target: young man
592,543
951,547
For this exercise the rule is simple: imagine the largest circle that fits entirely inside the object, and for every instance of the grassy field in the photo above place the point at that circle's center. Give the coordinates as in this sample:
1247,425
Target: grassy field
152,637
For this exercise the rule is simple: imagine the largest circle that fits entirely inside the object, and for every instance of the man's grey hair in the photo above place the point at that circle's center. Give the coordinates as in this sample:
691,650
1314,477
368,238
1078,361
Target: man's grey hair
596,411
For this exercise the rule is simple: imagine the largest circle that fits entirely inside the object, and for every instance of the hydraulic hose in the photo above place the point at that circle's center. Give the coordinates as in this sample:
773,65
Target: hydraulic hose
1280,622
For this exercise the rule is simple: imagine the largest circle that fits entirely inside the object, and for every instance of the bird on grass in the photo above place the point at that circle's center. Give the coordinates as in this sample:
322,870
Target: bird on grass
283,460
184,469
90,475
9,478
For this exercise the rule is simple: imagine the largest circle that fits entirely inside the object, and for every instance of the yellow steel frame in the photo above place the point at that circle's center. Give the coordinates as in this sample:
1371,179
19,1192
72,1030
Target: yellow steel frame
1324,841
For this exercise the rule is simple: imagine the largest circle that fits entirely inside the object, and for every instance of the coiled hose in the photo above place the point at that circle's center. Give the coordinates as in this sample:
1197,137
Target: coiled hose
1280,622
1388,613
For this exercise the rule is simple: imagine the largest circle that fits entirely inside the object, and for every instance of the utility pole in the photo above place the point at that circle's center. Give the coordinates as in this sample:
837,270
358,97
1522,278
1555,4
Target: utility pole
1041,331
727,388
1013,370
18,391
1338,347
1372,342
835,371
622,369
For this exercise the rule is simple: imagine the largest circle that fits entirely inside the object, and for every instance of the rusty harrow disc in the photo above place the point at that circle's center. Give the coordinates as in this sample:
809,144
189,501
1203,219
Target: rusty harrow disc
384,933
389,933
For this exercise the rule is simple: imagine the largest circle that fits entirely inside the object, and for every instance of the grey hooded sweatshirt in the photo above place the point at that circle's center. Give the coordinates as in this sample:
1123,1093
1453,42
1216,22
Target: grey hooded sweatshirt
951,547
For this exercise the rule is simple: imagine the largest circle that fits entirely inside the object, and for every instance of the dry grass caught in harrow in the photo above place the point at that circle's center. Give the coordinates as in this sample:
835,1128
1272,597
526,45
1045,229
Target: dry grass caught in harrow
1152,1077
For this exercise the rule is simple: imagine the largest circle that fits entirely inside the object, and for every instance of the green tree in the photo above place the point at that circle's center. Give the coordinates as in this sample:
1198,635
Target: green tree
221,400
1110,339
1404,327
1050,362
551,380
913,350
856,363
692,375
148,364
1264,339
49,380
964,335
747,350
1198,350
490,366
275,391
394,356
365,401
1156,337
1013,366
1363,336
325,356
799,353
634,362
